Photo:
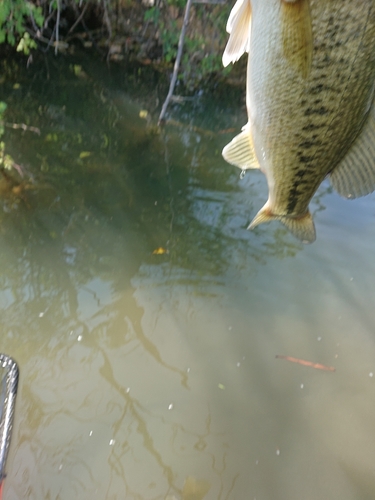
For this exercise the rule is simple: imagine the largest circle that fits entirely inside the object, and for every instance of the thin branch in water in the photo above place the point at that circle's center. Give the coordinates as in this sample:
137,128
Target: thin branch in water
79,17
45,40
57,26
33,21
304,362
177,62
47,19
21,125
106,19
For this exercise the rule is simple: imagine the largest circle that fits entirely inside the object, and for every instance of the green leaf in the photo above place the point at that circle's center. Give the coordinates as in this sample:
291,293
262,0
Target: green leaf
38,16
11,39
4,11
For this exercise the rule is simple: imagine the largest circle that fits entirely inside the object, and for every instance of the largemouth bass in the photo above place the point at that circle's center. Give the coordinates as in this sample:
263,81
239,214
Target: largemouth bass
309,95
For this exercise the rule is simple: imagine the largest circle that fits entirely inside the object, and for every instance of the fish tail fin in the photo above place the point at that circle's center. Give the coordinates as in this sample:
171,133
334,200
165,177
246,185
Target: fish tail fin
239,28
301,227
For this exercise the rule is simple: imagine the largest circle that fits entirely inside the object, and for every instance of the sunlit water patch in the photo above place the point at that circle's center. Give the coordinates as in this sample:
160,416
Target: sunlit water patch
146,320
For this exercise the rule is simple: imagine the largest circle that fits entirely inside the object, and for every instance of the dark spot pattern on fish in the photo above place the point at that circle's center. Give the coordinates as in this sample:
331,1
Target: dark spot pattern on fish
309,143
293,198
323,110
317,89
309,124
313,126
305,159
299,188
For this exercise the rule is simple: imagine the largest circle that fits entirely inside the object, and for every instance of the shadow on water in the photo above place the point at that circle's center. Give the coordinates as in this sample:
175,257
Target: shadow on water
97,161
146,319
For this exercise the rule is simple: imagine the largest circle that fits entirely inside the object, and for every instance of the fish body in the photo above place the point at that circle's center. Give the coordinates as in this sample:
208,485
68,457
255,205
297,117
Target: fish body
309,94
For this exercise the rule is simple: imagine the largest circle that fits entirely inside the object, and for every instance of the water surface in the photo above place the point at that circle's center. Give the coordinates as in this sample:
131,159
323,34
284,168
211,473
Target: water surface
146,320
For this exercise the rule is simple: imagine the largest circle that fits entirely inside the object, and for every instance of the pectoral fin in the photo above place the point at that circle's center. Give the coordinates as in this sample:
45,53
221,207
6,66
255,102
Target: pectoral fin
355,176
297,35
240,152
239,28
301,227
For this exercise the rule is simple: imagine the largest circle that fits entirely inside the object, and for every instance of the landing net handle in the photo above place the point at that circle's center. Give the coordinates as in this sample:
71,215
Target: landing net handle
9,384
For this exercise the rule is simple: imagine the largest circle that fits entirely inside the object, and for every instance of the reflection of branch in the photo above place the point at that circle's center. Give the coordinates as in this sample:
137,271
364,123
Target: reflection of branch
152,349
79,17
148,346
21,125
220,474
192,128
57,26
106,19
130,405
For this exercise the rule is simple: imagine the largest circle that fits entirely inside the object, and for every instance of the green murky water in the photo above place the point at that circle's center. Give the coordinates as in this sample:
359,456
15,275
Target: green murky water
146,320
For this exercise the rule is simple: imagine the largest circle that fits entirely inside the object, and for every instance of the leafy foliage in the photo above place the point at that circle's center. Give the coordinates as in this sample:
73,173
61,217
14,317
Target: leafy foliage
24,24
204,39
6,161
14,16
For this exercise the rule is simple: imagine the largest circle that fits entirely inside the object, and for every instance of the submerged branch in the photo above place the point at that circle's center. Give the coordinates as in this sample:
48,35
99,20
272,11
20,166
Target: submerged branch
23,126
57,26
80,17
177,62
317,366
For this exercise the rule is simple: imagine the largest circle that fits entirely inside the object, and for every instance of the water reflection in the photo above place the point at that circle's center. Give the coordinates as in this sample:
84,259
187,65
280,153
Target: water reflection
153,375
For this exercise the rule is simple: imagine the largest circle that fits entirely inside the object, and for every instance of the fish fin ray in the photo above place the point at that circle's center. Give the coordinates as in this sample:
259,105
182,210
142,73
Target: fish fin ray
233,14
240,151
297,37
302,227
355,175
239,28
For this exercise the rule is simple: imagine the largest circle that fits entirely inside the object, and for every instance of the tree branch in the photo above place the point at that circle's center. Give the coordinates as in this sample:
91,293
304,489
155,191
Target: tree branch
177,62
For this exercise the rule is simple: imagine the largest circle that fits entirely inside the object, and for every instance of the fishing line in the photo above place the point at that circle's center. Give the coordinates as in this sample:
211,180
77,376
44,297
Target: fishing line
169,243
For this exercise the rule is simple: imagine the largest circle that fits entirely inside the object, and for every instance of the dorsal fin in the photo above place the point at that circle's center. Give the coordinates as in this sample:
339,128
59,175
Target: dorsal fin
355,175
238,26
234,14
297,38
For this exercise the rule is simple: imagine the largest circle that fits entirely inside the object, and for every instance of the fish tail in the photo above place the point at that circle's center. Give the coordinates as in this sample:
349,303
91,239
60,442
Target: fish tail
301,227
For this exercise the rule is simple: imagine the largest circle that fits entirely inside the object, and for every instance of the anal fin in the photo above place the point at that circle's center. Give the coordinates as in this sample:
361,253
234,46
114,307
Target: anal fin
355,175
240,151
301,227
297,35
239,28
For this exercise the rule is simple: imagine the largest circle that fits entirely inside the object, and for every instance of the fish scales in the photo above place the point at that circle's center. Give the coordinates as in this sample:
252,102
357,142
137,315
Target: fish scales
273,110
303,125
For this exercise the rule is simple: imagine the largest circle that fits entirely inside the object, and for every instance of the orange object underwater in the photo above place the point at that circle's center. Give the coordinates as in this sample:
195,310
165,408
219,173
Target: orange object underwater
303,362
